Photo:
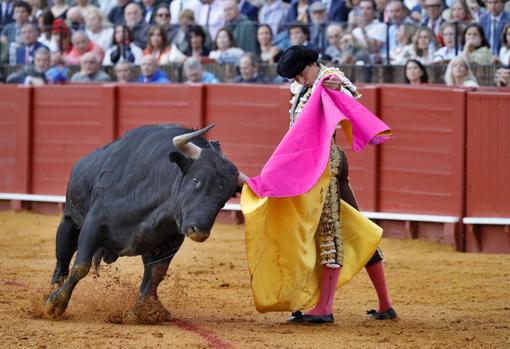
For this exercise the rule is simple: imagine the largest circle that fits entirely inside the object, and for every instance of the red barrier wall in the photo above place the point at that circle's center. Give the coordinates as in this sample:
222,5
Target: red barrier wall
422,167
15,115
363,165
68,123
159,104
250,121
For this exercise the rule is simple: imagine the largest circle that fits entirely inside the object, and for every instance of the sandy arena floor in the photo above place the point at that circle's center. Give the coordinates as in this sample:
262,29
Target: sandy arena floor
444,299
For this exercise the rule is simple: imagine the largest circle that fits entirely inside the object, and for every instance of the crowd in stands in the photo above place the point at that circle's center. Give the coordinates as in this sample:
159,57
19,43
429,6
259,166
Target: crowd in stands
46,38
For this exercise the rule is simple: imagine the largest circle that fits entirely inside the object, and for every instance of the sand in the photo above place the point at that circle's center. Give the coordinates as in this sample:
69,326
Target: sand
445,299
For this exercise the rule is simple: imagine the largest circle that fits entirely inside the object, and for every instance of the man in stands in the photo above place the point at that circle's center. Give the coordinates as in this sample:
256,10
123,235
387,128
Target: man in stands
124,72
241,27
433,20
194,72
12,31
133,19
90,71
26,52
151,74
493,22
33,75
248,66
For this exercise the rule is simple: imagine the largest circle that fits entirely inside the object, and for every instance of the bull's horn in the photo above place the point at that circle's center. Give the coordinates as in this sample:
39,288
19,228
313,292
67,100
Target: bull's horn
183,142
241,179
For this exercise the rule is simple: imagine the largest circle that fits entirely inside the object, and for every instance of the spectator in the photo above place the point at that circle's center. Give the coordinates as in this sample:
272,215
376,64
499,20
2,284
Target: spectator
90,72
26,52
298,11
33,75
226,52
459,12
151,74
195,73
212,16
241,27
11,33
6,12
476,48
248,67
352,51
116,14
268,53
134,21
424,45
299,34
75,19
181,39
404,49
58,73
85,7
272,13
493,23
59,9
502,77
354,14
504,52
318,28
459,73
338,11
370,32
177,6
61,37
247,9
415,73
162,18
398,15
449,50
433,20
476,8
124,72
98,30
123,48
82,45
159,48
45,23
334,34
37,7
149,10
196,44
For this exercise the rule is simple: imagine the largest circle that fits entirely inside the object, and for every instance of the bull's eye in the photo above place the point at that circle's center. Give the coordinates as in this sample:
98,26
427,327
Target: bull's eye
196,181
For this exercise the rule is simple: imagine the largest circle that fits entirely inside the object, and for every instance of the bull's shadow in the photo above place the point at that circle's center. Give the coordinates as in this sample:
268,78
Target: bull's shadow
140,195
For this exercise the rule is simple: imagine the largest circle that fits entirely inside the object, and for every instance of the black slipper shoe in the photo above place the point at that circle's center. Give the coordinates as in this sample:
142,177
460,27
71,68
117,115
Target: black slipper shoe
295,318
318,319
388,314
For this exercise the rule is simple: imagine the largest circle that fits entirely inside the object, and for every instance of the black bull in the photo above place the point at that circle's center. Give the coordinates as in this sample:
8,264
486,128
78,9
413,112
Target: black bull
140,195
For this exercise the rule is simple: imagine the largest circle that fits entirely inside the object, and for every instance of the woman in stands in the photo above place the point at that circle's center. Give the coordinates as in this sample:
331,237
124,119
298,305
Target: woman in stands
415,73
424,45
404,49
159,48
448,51
196,43
123,48
98,29
268,53
476,48
459,73
226,51
504,52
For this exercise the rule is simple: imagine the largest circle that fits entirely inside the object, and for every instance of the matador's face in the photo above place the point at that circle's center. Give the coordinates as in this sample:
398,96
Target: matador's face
308,76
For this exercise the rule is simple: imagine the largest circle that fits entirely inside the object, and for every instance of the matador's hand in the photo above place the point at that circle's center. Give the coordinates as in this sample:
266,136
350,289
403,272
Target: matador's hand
333,83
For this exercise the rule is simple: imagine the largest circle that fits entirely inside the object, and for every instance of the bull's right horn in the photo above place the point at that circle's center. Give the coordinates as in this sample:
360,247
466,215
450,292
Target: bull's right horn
183,142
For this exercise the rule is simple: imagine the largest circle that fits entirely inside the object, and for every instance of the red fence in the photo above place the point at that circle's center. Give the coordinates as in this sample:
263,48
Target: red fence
448,158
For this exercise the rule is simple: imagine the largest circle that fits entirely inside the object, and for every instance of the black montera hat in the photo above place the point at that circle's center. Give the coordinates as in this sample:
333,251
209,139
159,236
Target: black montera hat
294,60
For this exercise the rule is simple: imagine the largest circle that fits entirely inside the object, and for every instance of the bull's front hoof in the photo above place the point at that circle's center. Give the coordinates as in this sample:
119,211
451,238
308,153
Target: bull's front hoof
55,305
147,311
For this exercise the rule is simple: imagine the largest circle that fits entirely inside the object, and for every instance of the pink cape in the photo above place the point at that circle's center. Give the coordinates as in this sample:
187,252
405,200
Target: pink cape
301,157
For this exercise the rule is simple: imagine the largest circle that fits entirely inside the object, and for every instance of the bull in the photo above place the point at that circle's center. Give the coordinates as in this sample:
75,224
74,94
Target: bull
140,195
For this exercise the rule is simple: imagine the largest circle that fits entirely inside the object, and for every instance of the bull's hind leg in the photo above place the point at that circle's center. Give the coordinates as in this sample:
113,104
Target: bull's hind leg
88,242
155,268
66,243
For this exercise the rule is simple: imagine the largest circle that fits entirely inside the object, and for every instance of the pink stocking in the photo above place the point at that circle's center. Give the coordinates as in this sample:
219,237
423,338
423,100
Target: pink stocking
328,288
376,273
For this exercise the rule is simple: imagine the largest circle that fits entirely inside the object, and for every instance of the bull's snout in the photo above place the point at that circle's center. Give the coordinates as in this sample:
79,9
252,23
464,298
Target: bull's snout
196,234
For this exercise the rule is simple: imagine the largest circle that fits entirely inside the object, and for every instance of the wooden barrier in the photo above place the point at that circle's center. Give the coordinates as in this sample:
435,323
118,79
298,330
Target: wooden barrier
487,191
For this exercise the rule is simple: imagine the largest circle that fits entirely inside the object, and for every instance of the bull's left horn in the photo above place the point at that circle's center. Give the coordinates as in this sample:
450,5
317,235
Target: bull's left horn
183,142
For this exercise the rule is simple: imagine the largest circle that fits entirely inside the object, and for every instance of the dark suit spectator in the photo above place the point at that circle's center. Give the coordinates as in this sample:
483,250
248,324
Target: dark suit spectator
12,31
196,43
26,52
248,68
123,48
268,53
338,11
134,21
90,70
318,28
33,75
116,15
247,9
6,12
433,20
195,73
241,27
150,73
124,72
162,18
493,22
272,13
149,10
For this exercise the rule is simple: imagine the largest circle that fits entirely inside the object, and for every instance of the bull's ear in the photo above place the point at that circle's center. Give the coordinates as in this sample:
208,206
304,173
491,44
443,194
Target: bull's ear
216,146
180,160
